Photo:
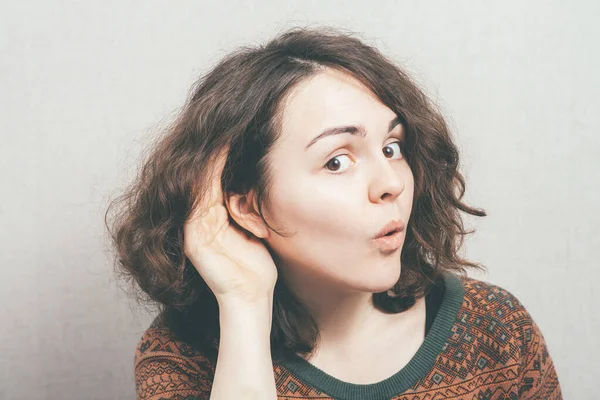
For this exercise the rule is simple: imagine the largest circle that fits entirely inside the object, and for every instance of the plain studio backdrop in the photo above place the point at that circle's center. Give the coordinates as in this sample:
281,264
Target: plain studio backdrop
84,85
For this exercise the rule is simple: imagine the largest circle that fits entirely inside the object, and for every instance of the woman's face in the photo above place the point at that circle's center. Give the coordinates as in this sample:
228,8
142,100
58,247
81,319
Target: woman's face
334,194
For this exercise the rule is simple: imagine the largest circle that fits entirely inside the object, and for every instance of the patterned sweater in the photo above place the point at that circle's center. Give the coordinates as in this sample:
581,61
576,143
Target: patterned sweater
481,344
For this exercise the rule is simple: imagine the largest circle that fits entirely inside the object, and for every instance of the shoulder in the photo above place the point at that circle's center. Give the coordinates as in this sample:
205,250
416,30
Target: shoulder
494,301
494,308
489,318
160,340
506,330
165,364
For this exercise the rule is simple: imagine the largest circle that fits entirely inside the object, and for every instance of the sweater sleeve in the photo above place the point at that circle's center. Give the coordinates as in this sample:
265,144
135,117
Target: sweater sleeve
537,375
166,368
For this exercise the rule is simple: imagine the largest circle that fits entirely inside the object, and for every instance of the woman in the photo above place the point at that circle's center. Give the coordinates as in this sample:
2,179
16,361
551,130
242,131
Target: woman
299,227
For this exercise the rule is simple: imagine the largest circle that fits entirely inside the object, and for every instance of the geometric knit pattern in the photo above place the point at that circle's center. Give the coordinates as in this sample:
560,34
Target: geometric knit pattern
495,351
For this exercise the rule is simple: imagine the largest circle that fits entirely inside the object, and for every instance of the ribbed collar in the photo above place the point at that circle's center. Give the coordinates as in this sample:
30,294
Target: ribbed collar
415,369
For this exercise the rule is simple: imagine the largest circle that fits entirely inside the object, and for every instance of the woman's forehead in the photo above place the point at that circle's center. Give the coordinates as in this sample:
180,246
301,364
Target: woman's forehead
330,98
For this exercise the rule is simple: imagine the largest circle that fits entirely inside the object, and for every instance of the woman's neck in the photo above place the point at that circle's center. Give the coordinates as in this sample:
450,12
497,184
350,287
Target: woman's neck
350,319
369,334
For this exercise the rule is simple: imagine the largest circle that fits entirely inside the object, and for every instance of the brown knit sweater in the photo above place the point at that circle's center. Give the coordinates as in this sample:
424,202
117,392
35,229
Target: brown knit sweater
482,344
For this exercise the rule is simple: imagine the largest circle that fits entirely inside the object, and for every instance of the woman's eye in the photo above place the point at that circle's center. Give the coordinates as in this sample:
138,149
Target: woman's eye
336,165
335,162
397,143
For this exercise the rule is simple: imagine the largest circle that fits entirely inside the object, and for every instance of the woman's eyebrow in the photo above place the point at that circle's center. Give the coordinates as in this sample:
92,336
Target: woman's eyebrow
358,130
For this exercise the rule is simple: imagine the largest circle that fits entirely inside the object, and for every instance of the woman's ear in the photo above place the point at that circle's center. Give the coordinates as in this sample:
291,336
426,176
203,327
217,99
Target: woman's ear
243,210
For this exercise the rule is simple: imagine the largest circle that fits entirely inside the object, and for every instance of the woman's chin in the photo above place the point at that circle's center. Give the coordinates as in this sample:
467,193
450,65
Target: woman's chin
381,282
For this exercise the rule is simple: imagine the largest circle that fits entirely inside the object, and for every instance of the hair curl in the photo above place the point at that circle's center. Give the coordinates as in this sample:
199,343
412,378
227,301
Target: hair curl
238,103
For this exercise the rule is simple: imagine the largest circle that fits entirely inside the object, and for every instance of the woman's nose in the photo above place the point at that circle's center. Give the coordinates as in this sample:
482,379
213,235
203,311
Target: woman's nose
386,181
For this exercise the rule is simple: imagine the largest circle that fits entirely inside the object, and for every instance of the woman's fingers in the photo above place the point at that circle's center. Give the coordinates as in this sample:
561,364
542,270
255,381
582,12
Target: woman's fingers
210,215
215,193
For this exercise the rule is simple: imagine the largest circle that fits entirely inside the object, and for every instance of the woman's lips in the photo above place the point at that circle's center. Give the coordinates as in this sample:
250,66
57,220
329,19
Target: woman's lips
389,242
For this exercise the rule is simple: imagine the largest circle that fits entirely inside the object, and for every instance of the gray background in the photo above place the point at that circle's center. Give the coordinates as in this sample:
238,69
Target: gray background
84,84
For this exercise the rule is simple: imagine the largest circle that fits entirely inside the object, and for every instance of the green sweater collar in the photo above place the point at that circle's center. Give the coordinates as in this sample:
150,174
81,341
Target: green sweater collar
417,367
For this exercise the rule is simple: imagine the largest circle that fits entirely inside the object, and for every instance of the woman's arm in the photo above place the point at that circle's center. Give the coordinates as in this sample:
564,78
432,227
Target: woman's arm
244,365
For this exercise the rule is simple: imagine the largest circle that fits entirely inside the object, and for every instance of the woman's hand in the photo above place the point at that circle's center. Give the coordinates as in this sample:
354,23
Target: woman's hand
235,264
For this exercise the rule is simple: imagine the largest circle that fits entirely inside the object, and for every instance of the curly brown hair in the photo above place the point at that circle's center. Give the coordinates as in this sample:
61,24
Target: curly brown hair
238,104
